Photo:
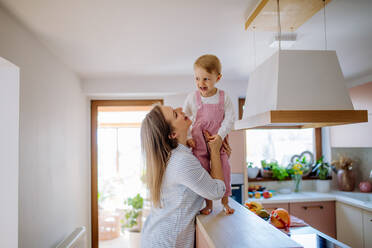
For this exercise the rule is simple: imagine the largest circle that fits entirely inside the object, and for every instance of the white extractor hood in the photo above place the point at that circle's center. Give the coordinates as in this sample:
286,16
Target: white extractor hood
298,89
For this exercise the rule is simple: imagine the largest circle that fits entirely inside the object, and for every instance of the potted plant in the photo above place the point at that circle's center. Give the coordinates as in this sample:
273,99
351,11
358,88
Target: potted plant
266,171
133,219
279,172
252,171
322,169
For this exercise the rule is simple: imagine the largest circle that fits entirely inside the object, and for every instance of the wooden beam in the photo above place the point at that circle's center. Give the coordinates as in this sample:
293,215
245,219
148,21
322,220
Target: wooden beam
123,108
120,125
293,14
255,12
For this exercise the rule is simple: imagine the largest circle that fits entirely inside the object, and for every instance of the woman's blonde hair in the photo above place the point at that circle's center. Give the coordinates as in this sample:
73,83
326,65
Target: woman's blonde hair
156,145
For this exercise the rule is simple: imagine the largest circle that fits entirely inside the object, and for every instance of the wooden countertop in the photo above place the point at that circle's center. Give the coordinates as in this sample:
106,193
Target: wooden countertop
242,229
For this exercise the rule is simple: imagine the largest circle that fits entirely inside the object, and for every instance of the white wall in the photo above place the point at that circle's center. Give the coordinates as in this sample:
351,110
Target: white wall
54,171
9,133
360,134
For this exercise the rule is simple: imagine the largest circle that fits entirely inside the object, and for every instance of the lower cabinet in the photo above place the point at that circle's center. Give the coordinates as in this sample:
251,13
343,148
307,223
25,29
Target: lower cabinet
320,215
350,225
270,207
367,227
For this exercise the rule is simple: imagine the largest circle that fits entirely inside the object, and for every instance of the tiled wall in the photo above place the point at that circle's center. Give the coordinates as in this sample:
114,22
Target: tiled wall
362,157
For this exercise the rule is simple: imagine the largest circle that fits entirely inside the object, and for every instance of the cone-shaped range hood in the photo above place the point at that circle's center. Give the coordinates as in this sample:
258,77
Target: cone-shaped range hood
298,89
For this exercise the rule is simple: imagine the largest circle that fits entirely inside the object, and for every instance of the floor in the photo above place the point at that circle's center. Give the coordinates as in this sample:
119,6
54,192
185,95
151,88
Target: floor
126,240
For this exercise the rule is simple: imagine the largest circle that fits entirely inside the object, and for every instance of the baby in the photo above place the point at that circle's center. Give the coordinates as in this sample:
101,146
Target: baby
211,110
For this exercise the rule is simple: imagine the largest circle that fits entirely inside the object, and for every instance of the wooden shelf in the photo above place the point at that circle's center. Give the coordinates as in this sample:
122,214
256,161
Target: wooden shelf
262,179
293,13
295,119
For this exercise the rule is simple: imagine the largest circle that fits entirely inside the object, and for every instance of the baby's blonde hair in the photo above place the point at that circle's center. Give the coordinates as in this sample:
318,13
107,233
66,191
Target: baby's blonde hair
210,63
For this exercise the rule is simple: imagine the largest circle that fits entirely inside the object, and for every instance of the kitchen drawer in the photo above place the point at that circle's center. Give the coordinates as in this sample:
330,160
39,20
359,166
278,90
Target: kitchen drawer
320,215
271,206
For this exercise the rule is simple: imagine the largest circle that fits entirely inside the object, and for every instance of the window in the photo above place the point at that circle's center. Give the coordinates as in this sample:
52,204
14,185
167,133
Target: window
279,144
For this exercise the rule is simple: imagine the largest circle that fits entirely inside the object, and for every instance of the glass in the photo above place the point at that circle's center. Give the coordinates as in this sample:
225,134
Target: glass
297,182
120,171
278,144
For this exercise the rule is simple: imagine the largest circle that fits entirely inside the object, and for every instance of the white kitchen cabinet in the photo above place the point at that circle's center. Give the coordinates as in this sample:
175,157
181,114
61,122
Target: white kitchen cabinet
367,227
349,223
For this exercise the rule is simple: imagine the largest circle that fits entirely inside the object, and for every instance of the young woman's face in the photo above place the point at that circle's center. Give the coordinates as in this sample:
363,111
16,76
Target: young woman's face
177,119
205,81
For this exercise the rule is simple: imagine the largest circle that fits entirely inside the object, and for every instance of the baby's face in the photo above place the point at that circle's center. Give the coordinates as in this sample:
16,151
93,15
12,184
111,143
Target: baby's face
205,81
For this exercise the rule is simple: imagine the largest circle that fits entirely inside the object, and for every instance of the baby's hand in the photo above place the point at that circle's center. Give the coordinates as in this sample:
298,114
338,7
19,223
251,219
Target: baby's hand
216,136
190,143
214,142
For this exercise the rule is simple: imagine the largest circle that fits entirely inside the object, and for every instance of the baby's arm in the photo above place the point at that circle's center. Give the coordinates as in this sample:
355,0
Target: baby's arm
229,119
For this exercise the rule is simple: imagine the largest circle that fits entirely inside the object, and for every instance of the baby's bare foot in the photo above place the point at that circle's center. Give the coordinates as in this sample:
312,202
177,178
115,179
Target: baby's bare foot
228,210
207,210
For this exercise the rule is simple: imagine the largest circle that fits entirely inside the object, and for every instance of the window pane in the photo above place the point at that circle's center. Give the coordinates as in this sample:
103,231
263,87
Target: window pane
277,144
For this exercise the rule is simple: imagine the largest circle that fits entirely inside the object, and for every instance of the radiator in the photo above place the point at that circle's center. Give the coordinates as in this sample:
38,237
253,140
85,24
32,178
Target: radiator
76,239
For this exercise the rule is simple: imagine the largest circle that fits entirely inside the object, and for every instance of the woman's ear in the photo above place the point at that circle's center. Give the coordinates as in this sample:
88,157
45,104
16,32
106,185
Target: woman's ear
173,135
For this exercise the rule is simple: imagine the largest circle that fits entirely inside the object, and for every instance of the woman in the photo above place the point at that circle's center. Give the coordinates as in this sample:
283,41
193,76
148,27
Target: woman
176,180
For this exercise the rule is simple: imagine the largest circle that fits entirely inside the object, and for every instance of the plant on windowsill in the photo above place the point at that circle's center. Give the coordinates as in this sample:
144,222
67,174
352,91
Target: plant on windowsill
266,171
322,170
274,170
252,171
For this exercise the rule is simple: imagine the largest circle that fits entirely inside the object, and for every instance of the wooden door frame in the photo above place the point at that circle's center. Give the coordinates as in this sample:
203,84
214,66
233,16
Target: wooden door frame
94,175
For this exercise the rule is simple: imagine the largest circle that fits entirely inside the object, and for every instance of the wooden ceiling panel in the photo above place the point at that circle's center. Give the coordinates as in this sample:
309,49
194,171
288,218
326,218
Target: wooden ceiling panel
293,13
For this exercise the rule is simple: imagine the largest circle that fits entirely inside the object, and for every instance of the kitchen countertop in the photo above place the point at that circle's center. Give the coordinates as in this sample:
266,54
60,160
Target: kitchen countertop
241,229
357,199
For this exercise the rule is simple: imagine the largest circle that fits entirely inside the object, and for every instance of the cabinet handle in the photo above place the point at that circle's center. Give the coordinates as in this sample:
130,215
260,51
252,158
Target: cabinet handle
316,206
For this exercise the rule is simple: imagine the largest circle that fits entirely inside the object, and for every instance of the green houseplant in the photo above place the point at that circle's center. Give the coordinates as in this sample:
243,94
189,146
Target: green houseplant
276,171
133,213
322,170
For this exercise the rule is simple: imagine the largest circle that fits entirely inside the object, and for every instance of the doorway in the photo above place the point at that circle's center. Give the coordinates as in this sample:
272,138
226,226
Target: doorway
116,169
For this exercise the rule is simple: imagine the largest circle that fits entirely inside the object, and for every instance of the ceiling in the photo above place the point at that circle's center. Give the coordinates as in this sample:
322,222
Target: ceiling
119,38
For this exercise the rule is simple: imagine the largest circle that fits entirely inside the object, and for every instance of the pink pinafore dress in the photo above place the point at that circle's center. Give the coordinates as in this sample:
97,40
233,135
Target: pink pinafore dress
209,117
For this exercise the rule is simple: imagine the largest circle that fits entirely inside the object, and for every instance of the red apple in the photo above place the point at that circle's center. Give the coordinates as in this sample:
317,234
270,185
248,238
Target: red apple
266,194
365,186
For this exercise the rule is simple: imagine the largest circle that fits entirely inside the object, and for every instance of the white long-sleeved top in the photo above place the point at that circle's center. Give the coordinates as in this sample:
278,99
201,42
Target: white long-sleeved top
190,108
185,185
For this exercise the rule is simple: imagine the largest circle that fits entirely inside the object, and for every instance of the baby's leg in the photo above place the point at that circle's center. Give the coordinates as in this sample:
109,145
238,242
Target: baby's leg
227,179
226,207
208,208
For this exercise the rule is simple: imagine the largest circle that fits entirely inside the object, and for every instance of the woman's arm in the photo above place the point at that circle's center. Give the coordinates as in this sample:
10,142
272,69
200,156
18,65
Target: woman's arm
214,145
188,171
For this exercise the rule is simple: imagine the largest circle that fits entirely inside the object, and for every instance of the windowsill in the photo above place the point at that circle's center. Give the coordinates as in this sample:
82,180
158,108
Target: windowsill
262,179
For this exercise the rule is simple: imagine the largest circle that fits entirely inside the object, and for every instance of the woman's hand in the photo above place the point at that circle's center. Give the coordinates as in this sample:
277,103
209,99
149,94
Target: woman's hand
214,142
226,146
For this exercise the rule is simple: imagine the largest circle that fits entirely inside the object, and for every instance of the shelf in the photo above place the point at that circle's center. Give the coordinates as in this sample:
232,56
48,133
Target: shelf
261,179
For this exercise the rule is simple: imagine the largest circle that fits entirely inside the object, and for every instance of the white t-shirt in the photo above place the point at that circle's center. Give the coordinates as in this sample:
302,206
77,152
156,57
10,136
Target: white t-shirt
190,108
